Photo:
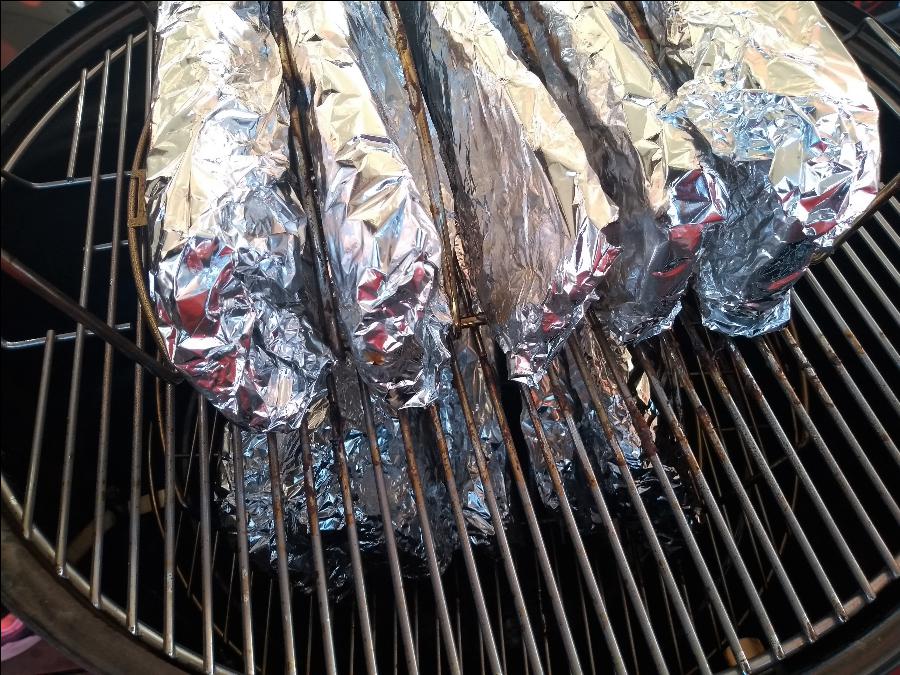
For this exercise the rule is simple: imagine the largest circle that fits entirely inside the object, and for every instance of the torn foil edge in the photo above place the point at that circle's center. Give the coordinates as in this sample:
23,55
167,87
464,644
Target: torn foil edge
385,250
228,276
509,150
794,127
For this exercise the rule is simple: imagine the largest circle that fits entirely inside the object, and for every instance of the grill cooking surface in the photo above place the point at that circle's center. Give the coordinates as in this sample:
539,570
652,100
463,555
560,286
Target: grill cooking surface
787,443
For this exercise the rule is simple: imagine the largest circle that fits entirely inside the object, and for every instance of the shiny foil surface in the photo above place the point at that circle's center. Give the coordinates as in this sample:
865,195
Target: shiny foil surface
794,127
228,276
330,503
531,211
384,248
598,71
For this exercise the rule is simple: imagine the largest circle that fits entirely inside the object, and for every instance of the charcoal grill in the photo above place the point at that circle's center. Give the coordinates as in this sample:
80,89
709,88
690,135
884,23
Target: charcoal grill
111,547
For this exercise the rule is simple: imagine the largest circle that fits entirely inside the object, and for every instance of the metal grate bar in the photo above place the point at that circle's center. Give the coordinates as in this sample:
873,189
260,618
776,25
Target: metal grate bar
760,399
871,283
852,441
832,464
76,131
312,513
859,351
57,106
862,311
762,463
402,613
530,399
206,557
362,604
433,568
169,537
876,249
284,583
625,573
106,386
62,532
37,438
649,448
465,545
530,518
134,513
28,343
886,226
243,555
847,379
710,502
666,577
529,643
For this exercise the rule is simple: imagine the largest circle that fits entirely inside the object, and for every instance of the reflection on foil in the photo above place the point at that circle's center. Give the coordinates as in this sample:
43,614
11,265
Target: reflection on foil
228,275
404,514
600,451
597,70
385,250
531,211
794,128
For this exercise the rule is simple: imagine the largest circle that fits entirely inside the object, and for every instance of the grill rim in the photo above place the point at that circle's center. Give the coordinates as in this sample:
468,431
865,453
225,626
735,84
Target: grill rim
13,514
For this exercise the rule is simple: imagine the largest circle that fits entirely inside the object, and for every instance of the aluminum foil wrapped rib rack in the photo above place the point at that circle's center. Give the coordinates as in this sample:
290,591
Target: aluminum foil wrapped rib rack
384,248
593,63
793,129
229,279
367,192
531,211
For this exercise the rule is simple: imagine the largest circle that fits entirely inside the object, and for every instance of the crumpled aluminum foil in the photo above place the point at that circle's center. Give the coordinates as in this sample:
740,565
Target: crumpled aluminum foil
228,276
600,452
384,248
404,514
783,106
531,210
652,170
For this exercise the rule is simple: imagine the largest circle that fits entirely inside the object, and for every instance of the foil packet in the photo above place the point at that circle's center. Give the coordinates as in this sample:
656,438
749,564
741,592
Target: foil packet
794,127
228,273
531,211
384,248
600,451
330,503
597,70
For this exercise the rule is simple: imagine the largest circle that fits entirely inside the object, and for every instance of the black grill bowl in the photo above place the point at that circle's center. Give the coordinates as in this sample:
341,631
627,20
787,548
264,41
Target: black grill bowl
790,444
